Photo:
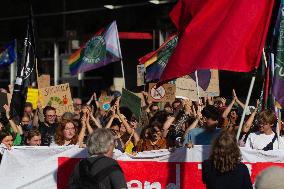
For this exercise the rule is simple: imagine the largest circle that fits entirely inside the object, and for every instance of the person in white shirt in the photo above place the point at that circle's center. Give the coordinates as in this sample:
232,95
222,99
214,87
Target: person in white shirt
265,138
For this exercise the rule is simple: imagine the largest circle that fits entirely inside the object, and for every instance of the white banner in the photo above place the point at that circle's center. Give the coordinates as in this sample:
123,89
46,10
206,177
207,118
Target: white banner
47,167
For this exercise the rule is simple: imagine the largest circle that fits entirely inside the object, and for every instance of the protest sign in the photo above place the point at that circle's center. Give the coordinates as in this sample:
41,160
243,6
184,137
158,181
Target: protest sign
140,75
131,101
59,97
141,96
165,93
178,169
186,87
43,81
32,97
104,102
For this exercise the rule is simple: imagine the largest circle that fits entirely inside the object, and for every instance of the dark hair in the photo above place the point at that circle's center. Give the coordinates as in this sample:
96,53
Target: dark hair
225,152
116,122
212,112
3,134
176,101
48,108
28,104
32,133
156,124
152,105
59,136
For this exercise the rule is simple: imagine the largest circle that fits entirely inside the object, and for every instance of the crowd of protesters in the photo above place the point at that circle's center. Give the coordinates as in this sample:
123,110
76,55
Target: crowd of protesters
162,126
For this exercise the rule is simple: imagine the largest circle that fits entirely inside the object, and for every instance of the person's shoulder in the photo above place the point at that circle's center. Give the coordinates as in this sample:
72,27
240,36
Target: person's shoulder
242,167
104,160
206,163
196,131
254,134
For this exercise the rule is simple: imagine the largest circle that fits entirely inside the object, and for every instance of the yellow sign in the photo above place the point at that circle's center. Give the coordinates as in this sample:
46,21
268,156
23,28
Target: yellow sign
32,97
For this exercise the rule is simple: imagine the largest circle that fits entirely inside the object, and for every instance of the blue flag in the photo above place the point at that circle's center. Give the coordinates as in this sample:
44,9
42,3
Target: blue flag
9,55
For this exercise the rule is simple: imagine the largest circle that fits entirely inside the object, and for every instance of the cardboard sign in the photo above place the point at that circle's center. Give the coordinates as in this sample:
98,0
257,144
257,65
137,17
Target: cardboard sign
131,101
186,87
165,93
59,97
104,102
140,75
32,97
43,81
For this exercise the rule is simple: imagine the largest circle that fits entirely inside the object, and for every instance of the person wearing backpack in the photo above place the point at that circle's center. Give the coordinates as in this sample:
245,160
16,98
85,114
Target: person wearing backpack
99,171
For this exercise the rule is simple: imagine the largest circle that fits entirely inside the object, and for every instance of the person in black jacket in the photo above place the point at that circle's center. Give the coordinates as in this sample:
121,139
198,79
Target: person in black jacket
224,168
99,171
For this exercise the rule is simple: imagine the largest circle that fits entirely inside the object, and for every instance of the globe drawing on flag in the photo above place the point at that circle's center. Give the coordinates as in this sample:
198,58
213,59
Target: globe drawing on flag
95,50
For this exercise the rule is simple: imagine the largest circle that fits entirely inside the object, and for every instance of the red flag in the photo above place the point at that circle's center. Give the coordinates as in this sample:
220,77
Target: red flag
223,34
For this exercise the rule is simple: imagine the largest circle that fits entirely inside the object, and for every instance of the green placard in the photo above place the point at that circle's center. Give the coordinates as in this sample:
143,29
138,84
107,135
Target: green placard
131,101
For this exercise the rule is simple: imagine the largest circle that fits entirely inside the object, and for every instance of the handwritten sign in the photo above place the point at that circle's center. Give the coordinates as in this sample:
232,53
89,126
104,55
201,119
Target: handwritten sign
59,97
186,87
32,97
104,102
140,75
165,93
43,81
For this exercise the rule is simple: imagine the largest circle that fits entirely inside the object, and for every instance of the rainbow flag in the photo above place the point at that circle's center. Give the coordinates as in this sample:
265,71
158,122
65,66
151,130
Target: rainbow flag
156,61
102,49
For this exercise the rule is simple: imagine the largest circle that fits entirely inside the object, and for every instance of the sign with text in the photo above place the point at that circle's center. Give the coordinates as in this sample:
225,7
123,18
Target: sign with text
165,93
131,101
59,97
186,87
32,97
43,81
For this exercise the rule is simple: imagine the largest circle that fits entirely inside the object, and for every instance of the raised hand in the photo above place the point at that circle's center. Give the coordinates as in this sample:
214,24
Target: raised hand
7,110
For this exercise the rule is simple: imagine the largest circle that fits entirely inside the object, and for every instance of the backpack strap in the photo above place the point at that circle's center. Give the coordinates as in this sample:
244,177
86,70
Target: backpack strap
269,146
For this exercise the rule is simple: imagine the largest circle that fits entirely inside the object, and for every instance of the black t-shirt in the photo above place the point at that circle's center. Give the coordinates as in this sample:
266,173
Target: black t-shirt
238,178
114,180
47,133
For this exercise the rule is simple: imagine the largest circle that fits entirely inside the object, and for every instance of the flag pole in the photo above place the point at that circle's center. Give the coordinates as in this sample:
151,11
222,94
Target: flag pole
121,61
246,104
197,87
278,126
122,70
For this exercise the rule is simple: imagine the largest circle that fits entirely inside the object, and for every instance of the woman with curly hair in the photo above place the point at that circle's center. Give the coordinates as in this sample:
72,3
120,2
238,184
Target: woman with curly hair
67,134
224,168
